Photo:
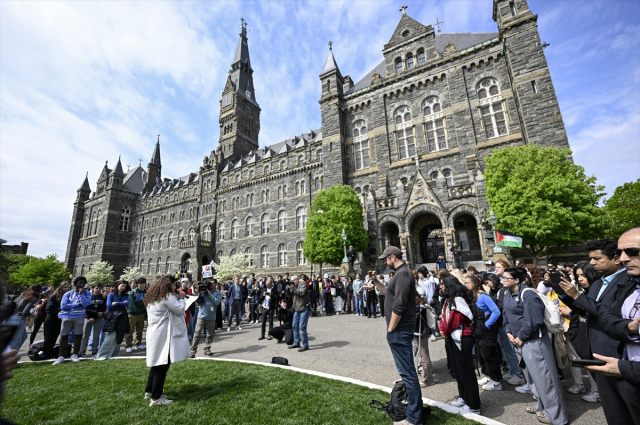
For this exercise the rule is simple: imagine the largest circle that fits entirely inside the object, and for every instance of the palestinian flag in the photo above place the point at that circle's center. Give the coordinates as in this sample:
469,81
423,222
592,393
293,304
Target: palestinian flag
508,239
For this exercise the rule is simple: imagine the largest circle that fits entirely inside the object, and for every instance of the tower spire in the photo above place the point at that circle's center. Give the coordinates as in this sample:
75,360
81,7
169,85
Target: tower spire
241,73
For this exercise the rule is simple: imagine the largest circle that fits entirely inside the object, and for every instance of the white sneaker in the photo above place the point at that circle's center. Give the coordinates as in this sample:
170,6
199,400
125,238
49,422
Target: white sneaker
524,389
516,380
75,358
484,380
433,338
128,350
141,347
467,409
576,389
492,386
161,400
507,376
229,329
147,395
30,330
59,360
592,397
238,328
458,403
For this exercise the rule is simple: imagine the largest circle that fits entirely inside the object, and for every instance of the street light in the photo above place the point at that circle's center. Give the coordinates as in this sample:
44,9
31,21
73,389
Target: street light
344,245
493,220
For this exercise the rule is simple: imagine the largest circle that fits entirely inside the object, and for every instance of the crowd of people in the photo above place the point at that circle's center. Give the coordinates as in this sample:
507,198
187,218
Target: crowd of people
498,326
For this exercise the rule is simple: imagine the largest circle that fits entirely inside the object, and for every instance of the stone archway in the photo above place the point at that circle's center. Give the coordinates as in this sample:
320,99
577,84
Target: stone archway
185,263
426,236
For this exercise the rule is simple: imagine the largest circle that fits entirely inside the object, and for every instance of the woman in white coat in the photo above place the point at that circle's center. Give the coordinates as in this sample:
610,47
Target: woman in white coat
167,340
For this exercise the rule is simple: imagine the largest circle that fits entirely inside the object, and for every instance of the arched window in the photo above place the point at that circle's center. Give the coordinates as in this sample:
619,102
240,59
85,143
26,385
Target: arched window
434,125
179,237
86,247
301,218
264,256
207,233
302,260
158,265
399,66
221,231
410,62
297,188
167,265
421,57
300,160
238,178
169,239
249,253
160,241
303,187
144,242
264,220
81,270
233,252
360,145
249,226
318,183
434,176
266,170
149,266
282,255
284,191
192,234
279,192
404,133
492,109
319,154
124,218
235,203
252,174
448,176
219,255
234,229
282,221
283,164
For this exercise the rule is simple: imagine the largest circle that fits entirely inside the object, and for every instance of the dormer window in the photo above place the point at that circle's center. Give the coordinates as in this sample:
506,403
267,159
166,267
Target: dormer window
421,58
410,62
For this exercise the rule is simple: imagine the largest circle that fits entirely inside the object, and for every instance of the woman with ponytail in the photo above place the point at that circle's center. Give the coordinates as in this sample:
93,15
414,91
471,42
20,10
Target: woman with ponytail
524,324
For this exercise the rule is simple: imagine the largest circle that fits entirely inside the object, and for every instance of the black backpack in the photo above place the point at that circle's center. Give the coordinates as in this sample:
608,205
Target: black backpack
477,327
396,408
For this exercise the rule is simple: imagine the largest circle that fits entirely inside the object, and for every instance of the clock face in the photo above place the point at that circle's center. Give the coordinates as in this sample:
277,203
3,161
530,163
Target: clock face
248,94
227,100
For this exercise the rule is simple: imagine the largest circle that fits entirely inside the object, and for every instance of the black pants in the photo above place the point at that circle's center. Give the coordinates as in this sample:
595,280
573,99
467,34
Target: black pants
236,307
618,400
51,332
253,314
490,353
219,317
314,306
371,305
37,322
267,313
381,299
279,333
155,381
462,365
328,303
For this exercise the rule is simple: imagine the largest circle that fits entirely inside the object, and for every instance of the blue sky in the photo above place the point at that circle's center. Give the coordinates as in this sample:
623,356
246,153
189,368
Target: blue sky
84,82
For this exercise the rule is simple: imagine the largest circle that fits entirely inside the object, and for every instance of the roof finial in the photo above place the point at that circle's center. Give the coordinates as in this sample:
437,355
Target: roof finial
87,176
438,22
158,142
330,45
128,167
403,9
106,163
244,26
140,161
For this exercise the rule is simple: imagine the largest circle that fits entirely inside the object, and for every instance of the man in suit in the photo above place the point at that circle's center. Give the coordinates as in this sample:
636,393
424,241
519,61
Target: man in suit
617,395
266,300
234,295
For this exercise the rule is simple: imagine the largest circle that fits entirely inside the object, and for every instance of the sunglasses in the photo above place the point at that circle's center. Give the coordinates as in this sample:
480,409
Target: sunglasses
631,252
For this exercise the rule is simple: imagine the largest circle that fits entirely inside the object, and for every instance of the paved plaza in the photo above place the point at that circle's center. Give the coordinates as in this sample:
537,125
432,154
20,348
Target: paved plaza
356,347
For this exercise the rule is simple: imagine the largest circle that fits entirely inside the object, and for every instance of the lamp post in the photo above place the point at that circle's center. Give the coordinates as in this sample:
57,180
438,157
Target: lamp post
344,245
493,220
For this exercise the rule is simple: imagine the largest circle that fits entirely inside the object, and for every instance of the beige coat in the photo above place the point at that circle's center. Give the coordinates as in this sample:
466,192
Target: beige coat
167,332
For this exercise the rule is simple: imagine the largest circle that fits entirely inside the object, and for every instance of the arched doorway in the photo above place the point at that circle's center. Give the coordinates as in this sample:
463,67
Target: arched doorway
206,260
427,239
390,235
467,237
185,262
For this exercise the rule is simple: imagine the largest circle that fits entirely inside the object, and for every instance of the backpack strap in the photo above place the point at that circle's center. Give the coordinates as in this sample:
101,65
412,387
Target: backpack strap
522,293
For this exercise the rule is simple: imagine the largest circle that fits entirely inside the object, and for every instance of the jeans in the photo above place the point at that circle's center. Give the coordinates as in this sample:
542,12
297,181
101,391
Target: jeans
459,264
509,353
21,333
359,306
236,307
400,344
190,328
86,335
300,319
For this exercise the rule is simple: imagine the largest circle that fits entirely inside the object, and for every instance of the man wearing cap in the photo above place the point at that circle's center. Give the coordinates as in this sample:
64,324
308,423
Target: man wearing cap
491,267
400,301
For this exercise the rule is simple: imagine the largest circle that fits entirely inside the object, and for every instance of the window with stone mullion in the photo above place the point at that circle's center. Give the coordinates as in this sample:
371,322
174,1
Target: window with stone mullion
436,137
406,143
494,120
361,154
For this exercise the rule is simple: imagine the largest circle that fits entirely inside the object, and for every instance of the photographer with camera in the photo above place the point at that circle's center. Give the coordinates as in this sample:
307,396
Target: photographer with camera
209,298
285,330
300,294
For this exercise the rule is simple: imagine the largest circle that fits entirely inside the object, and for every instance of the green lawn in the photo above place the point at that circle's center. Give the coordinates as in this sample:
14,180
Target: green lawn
204,392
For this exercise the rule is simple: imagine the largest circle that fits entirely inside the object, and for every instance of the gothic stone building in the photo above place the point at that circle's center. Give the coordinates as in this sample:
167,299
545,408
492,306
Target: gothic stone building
410,137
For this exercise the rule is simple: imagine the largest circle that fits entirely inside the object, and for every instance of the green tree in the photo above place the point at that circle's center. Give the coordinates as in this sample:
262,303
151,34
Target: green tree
624,208
332,210
45,271
101,272
540,195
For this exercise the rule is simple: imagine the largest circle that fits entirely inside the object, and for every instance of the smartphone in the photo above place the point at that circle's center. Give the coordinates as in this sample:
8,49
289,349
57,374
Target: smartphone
587,362
555,277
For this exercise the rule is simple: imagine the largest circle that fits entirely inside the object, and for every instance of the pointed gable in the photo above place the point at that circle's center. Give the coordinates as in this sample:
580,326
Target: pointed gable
421,193
118,170
330,64
407,28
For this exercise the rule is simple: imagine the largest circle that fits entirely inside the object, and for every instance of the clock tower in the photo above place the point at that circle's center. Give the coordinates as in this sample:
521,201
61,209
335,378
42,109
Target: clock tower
239,110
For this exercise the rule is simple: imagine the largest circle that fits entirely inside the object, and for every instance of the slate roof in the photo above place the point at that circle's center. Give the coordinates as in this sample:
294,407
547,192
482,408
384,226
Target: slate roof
118,169
170,184
462,41
85,184
155,156
330,64
134,181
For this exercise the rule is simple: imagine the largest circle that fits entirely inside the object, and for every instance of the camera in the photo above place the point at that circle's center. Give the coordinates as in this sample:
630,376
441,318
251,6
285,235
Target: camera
203,287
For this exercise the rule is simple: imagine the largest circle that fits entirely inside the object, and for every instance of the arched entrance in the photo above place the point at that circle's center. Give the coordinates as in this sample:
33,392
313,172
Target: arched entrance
467,237
206,260
390,235
185,262
427,239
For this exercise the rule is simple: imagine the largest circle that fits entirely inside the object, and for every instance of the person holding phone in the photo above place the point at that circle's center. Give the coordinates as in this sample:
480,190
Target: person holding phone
116,323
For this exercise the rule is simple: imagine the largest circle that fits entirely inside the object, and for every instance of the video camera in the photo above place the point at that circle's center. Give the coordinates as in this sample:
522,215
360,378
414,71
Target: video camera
203,287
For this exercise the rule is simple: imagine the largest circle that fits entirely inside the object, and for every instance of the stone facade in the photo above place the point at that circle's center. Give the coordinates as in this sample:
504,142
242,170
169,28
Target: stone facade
410,138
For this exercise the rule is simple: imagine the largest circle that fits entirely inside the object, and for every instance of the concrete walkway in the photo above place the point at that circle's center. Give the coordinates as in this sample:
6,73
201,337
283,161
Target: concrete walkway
356,347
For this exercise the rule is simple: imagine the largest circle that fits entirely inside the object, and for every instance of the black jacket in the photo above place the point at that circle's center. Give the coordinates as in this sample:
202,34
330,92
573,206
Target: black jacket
599,342
352,255
53,306
285,316
578,328
272,302
611,320
98,305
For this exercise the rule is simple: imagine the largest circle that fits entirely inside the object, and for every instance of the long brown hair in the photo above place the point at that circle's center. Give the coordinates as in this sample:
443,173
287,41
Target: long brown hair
60,292
476,285
536,274
159,291
33,292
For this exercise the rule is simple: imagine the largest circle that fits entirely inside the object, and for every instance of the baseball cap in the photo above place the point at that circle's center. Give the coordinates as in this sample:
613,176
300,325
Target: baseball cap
489,263
390,250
